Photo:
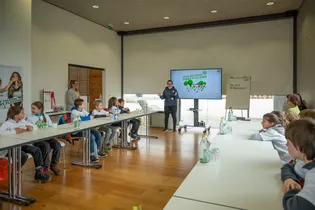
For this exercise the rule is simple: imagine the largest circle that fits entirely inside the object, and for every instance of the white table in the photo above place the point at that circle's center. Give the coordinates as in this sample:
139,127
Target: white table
186,204
248,176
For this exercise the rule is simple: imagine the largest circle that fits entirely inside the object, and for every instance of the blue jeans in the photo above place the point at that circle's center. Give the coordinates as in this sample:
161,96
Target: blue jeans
95,138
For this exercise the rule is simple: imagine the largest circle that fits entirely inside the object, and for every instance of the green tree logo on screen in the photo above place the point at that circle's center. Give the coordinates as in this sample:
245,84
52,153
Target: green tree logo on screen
188,81
197,87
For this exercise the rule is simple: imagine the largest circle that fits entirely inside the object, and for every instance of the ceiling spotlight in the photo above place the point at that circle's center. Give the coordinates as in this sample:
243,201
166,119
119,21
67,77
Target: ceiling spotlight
214,11
126,23
96,6
166,17
270,3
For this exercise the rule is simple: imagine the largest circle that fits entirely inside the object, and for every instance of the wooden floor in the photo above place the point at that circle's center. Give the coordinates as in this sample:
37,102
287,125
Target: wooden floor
148,176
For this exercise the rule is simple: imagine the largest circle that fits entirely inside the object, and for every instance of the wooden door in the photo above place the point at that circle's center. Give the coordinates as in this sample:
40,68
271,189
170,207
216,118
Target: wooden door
95,86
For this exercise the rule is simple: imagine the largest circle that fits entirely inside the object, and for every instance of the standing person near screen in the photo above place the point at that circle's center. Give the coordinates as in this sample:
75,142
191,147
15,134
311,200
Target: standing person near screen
170,96
72,94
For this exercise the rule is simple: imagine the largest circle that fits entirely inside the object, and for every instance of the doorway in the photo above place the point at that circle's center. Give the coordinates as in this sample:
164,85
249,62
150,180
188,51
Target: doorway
90,83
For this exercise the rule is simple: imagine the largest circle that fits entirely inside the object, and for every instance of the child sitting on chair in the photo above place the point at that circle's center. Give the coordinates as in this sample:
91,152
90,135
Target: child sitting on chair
273,131
110,131
300,135
15,124
78,110
135,122
42,120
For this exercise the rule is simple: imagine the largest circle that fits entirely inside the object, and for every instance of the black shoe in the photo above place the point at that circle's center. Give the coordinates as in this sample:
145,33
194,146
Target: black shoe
165,130
41,176
102,155
55,169
94,159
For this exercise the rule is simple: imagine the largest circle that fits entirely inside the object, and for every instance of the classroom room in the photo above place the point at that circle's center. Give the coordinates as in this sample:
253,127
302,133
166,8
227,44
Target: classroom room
152,105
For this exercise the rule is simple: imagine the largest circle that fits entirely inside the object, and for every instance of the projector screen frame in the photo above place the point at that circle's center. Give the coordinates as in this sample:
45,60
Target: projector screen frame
221,70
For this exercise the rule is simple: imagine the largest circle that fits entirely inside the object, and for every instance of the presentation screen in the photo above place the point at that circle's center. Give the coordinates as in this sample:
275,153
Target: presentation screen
198,83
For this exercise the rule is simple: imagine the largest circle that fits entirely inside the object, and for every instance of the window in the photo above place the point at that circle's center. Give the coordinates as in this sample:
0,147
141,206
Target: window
209,110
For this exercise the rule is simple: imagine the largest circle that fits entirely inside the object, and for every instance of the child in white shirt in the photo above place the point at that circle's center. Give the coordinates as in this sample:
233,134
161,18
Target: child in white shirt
110,131
15,124
273,131
42,120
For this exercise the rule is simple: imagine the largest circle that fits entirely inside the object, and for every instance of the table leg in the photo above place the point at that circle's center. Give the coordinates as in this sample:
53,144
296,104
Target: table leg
86,153
14,180
124,136
147,130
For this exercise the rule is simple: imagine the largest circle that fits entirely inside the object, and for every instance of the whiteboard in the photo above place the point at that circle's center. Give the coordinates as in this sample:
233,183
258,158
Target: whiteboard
238,93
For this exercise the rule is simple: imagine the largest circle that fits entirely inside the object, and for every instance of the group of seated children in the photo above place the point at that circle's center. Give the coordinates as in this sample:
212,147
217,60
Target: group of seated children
16,124
114,106
293,136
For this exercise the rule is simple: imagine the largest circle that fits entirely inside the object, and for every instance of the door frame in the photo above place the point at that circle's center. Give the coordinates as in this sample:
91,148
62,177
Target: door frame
92,68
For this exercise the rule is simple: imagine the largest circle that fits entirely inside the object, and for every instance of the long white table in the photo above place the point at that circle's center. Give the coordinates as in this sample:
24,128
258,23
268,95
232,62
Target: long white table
13,144
248,176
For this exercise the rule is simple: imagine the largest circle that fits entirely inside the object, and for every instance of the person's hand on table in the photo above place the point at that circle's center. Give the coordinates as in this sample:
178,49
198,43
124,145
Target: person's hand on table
159,94
19,130
29,128
107,115
91,117
261,130
290,184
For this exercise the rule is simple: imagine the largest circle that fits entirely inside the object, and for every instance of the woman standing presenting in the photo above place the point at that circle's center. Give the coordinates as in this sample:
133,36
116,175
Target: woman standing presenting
170,96
72,94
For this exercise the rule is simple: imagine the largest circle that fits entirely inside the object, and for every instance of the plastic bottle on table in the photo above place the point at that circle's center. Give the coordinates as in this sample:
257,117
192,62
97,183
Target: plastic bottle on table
204,149
78,122
116,115
230,114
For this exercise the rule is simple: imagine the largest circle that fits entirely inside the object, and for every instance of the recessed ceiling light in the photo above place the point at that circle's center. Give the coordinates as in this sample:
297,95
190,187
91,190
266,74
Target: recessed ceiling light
166,17
270,3
214,11
126,23
96,6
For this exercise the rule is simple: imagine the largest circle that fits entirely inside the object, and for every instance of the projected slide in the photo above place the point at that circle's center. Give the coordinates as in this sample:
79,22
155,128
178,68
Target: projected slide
198,84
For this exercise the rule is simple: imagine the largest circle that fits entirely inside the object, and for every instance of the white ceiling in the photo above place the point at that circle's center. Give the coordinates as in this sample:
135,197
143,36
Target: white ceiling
144,14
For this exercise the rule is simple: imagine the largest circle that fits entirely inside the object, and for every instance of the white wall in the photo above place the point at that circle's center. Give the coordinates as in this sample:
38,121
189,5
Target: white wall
260,50
306,51
61,38
15,41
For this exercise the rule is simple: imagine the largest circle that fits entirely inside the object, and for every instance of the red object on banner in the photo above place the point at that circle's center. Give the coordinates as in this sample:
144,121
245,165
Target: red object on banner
3,169
53,100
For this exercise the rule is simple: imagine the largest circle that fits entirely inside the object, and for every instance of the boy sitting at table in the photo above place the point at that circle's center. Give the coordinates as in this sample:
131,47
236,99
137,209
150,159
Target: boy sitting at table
300,135
95,137
135,122
110,131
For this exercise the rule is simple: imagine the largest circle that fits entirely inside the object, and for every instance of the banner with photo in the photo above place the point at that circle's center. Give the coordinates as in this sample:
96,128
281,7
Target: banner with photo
11,89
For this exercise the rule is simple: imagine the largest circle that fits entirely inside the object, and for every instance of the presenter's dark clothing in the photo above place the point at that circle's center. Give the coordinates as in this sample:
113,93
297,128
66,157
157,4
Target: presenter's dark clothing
170,96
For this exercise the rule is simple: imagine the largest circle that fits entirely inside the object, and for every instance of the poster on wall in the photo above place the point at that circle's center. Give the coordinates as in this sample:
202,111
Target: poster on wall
11,89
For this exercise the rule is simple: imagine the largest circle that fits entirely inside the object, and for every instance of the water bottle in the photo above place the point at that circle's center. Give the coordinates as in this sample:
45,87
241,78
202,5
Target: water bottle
204,150
116,115
222,126
78,122
75,123
230,115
